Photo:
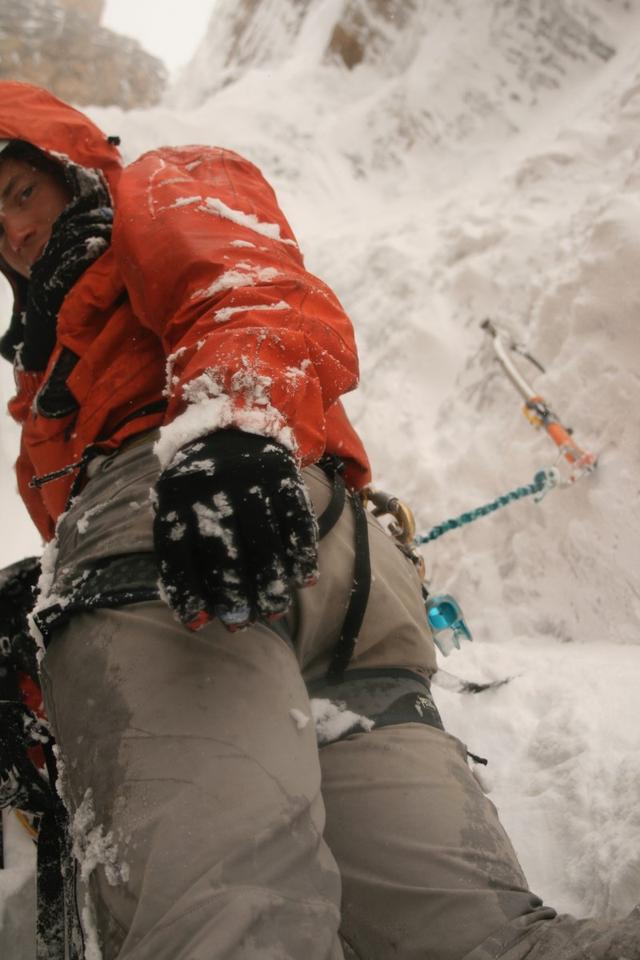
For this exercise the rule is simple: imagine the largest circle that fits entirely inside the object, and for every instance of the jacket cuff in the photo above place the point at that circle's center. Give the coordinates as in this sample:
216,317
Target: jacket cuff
207,414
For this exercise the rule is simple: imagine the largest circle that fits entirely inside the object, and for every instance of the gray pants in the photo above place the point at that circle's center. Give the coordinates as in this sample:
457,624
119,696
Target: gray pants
219,830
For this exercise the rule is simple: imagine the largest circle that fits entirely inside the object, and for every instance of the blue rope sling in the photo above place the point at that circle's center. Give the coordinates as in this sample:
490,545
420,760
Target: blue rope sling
543,481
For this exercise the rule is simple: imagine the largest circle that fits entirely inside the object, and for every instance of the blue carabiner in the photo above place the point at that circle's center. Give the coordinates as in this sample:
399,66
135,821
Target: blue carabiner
447,623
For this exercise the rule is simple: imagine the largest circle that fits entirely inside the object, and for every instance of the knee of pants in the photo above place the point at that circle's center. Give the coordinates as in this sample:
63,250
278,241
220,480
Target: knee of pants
427,869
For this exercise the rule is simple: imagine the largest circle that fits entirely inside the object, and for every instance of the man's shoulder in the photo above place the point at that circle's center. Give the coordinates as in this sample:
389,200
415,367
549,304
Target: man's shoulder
190,158
179,177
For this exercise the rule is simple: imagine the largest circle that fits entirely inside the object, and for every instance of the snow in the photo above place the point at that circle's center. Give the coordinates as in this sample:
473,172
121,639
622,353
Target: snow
184,201
478,168
95,246
300,719
236,278
92,846
210,408
84,521
210,522
333,720
271,230
225,313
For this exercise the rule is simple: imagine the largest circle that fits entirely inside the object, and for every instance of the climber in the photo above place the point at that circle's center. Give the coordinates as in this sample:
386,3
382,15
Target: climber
215,601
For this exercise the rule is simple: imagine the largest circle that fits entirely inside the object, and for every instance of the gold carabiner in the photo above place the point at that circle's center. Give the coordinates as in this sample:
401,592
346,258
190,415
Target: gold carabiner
403,530
25,822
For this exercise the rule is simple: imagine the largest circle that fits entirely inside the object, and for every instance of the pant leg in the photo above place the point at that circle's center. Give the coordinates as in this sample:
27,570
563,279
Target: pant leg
428,873
427,870
205,786
563,938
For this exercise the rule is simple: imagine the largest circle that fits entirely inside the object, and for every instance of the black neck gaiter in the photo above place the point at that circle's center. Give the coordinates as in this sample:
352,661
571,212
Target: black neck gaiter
79,236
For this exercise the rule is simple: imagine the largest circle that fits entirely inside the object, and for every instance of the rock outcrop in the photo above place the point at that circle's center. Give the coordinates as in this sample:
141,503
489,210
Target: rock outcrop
93,9
547,40
60,45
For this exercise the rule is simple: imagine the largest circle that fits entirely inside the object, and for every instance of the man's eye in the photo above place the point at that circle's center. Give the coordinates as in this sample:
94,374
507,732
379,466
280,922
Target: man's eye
26,193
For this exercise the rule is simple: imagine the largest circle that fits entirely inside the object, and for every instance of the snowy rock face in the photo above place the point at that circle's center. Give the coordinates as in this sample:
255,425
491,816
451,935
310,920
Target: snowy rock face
59,44
536,36
535,44
242,34
93,9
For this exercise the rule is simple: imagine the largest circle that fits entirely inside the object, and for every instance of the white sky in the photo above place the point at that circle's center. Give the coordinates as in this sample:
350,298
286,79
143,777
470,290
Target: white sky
165,28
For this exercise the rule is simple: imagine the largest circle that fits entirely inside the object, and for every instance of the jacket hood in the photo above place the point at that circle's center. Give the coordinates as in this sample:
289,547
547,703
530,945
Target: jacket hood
35,115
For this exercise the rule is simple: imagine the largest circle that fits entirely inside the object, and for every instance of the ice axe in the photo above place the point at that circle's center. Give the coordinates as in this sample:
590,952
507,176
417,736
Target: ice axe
537,410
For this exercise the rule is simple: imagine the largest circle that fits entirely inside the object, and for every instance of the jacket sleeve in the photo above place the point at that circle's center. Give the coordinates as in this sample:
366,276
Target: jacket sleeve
252,339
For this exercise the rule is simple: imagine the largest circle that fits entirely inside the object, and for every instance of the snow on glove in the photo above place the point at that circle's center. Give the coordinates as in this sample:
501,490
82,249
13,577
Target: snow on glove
234,530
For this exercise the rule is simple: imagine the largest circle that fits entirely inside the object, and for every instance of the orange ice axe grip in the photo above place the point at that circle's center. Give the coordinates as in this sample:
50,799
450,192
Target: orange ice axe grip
536,409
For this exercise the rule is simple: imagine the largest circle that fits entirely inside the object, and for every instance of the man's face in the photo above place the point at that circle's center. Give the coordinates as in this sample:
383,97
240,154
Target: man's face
31,200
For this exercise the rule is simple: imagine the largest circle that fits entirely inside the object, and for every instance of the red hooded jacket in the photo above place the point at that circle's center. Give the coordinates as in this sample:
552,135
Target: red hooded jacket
203,288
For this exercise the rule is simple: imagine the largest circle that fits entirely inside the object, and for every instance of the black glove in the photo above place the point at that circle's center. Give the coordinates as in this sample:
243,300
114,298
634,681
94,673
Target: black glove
234,530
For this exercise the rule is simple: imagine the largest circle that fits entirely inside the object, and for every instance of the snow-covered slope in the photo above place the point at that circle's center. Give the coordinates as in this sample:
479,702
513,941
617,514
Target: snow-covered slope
481,159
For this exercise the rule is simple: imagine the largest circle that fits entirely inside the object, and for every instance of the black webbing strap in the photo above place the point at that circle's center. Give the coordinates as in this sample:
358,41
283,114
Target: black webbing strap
359,594
333,468
58,930
327,520
24,787
50,925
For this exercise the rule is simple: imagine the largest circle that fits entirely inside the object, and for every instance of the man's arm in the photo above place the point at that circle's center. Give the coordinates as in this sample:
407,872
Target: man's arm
258,350
253,340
